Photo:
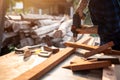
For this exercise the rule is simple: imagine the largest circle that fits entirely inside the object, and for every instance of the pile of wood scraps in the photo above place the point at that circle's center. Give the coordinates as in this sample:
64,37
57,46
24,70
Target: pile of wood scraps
41,69
85,63
97,57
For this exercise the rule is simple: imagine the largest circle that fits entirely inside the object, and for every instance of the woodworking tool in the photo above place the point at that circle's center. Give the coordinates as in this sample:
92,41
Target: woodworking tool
76,24
45,54
27,54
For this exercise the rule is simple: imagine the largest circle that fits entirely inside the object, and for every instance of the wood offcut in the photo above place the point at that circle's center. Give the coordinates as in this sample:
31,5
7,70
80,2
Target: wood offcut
87,65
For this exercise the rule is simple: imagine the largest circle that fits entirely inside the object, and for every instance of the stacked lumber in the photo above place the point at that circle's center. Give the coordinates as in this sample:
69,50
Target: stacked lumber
32,29
93,59
46,22
46,29
32,17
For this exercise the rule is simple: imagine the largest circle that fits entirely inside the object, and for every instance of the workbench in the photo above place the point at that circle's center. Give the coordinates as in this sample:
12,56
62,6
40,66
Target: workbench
12,65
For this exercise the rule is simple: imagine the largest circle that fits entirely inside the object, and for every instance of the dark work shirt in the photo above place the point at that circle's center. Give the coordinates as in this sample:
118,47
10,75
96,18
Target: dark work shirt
106,14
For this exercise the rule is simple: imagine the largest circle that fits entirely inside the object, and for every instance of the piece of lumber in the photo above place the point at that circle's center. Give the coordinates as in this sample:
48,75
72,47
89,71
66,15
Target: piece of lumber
39,70
86,41
67,67
88,47
87,30
46,22
46,29
80,45
15,18
76,59
99,49
32,17
109,73
87,65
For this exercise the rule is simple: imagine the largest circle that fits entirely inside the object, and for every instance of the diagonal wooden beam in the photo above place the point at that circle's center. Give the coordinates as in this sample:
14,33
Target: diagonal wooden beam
90,65
88,47
39,70
79,45
86,41
87,65
99,49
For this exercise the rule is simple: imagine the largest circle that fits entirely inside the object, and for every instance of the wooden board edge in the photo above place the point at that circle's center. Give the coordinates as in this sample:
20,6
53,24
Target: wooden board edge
41,69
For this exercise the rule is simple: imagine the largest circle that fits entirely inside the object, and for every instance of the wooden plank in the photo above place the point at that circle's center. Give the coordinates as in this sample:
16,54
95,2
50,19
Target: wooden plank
39,70
13,17
86,41
90,65
46,29
80,45
99,49
109,73
88,47
87,65
87,30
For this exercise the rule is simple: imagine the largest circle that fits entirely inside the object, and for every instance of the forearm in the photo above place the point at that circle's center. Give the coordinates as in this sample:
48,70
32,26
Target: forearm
81,7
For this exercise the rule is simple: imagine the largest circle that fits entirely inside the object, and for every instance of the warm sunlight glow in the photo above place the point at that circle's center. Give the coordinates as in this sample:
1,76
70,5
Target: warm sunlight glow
18,5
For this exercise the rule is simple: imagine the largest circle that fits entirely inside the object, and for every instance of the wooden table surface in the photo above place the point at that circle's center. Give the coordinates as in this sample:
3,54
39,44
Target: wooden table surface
13,65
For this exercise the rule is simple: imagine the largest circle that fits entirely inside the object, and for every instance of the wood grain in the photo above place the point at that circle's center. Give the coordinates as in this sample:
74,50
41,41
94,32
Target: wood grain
80,45
99,49
87,65
39,70
88,47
